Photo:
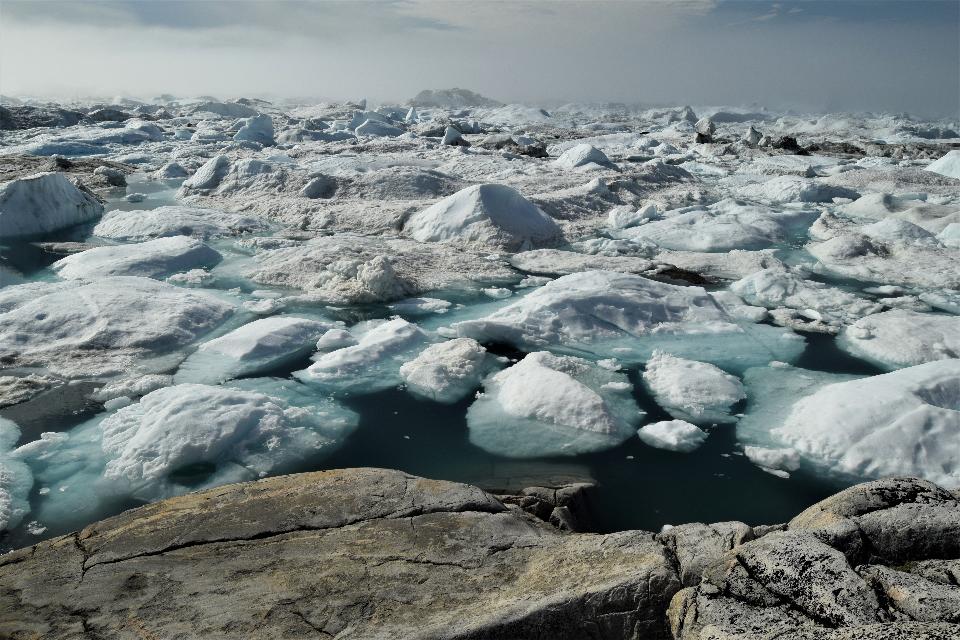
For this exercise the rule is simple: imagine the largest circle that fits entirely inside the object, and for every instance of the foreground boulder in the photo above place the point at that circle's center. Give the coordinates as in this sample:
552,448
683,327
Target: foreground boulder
352,553
372,553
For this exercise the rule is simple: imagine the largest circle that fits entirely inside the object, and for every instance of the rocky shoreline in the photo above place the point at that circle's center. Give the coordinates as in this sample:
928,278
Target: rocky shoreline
371,553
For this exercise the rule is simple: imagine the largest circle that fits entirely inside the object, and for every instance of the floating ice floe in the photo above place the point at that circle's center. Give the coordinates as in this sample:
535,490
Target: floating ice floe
487,214
723,226
176,220
693,391
607,314
785,189
902,423
256,347
373,363
111,326
912,208
447,371
183,438
780,288
16,481
672,435
42,203
556,262
152,259
349,269
902,338
891,251
552,405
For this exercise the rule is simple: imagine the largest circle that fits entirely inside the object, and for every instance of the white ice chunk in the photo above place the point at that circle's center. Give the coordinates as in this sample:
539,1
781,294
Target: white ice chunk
256,347
43,203
779,287
582,155
372,364
551,405
693,391
487,214
111,326
139,225
604,314
672,435
901,338
723,226
446,372
152,259
948,165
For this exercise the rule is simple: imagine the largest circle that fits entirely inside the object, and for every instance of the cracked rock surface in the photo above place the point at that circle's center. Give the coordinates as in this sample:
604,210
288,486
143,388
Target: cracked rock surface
372,553
360,553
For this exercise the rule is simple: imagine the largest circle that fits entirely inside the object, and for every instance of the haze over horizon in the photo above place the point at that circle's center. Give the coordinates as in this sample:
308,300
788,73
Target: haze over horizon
856,55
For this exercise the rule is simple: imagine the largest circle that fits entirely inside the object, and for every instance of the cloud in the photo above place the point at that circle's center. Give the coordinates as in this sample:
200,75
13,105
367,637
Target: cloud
709,52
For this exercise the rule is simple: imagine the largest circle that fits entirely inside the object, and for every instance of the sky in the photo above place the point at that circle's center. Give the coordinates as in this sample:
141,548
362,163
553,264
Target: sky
806,55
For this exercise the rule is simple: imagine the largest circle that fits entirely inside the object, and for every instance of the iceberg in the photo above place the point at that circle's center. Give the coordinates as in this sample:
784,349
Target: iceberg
448,371
151,259
43,203
693,391
672,435
371,365
117,326
486,214
549,405
255,348
175,220
602,314
902,338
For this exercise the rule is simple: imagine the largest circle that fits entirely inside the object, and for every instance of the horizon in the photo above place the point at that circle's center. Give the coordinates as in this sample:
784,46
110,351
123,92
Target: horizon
870,55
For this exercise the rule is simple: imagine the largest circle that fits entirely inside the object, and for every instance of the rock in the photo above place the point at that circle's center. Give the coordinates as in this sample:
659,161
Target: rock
42,203
696,546
914,596
300,554
752,137
889,520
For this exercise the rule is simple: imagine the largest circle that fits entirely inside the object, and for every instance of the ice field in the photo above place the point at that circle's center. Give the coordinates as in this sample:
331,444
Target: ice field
713,313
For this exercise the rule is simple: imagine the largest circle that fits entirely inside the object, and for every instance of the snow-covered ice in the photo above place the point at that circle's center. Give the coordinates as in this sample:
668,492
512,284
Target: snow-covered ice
486,214
448,371
552,405
151,259
609,314
672,435
902,338
693,391
42,203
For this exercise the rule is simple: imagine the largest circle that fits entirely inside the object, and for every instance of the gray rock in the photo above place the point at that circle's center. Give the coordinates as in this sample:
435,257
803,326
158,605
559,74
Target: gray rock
352,553
697,545
914,596
888,520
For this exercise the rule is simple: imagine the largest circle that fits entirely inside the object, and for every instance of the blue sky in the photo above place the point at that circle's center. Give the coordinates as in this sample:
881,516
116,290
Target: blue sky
880,55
